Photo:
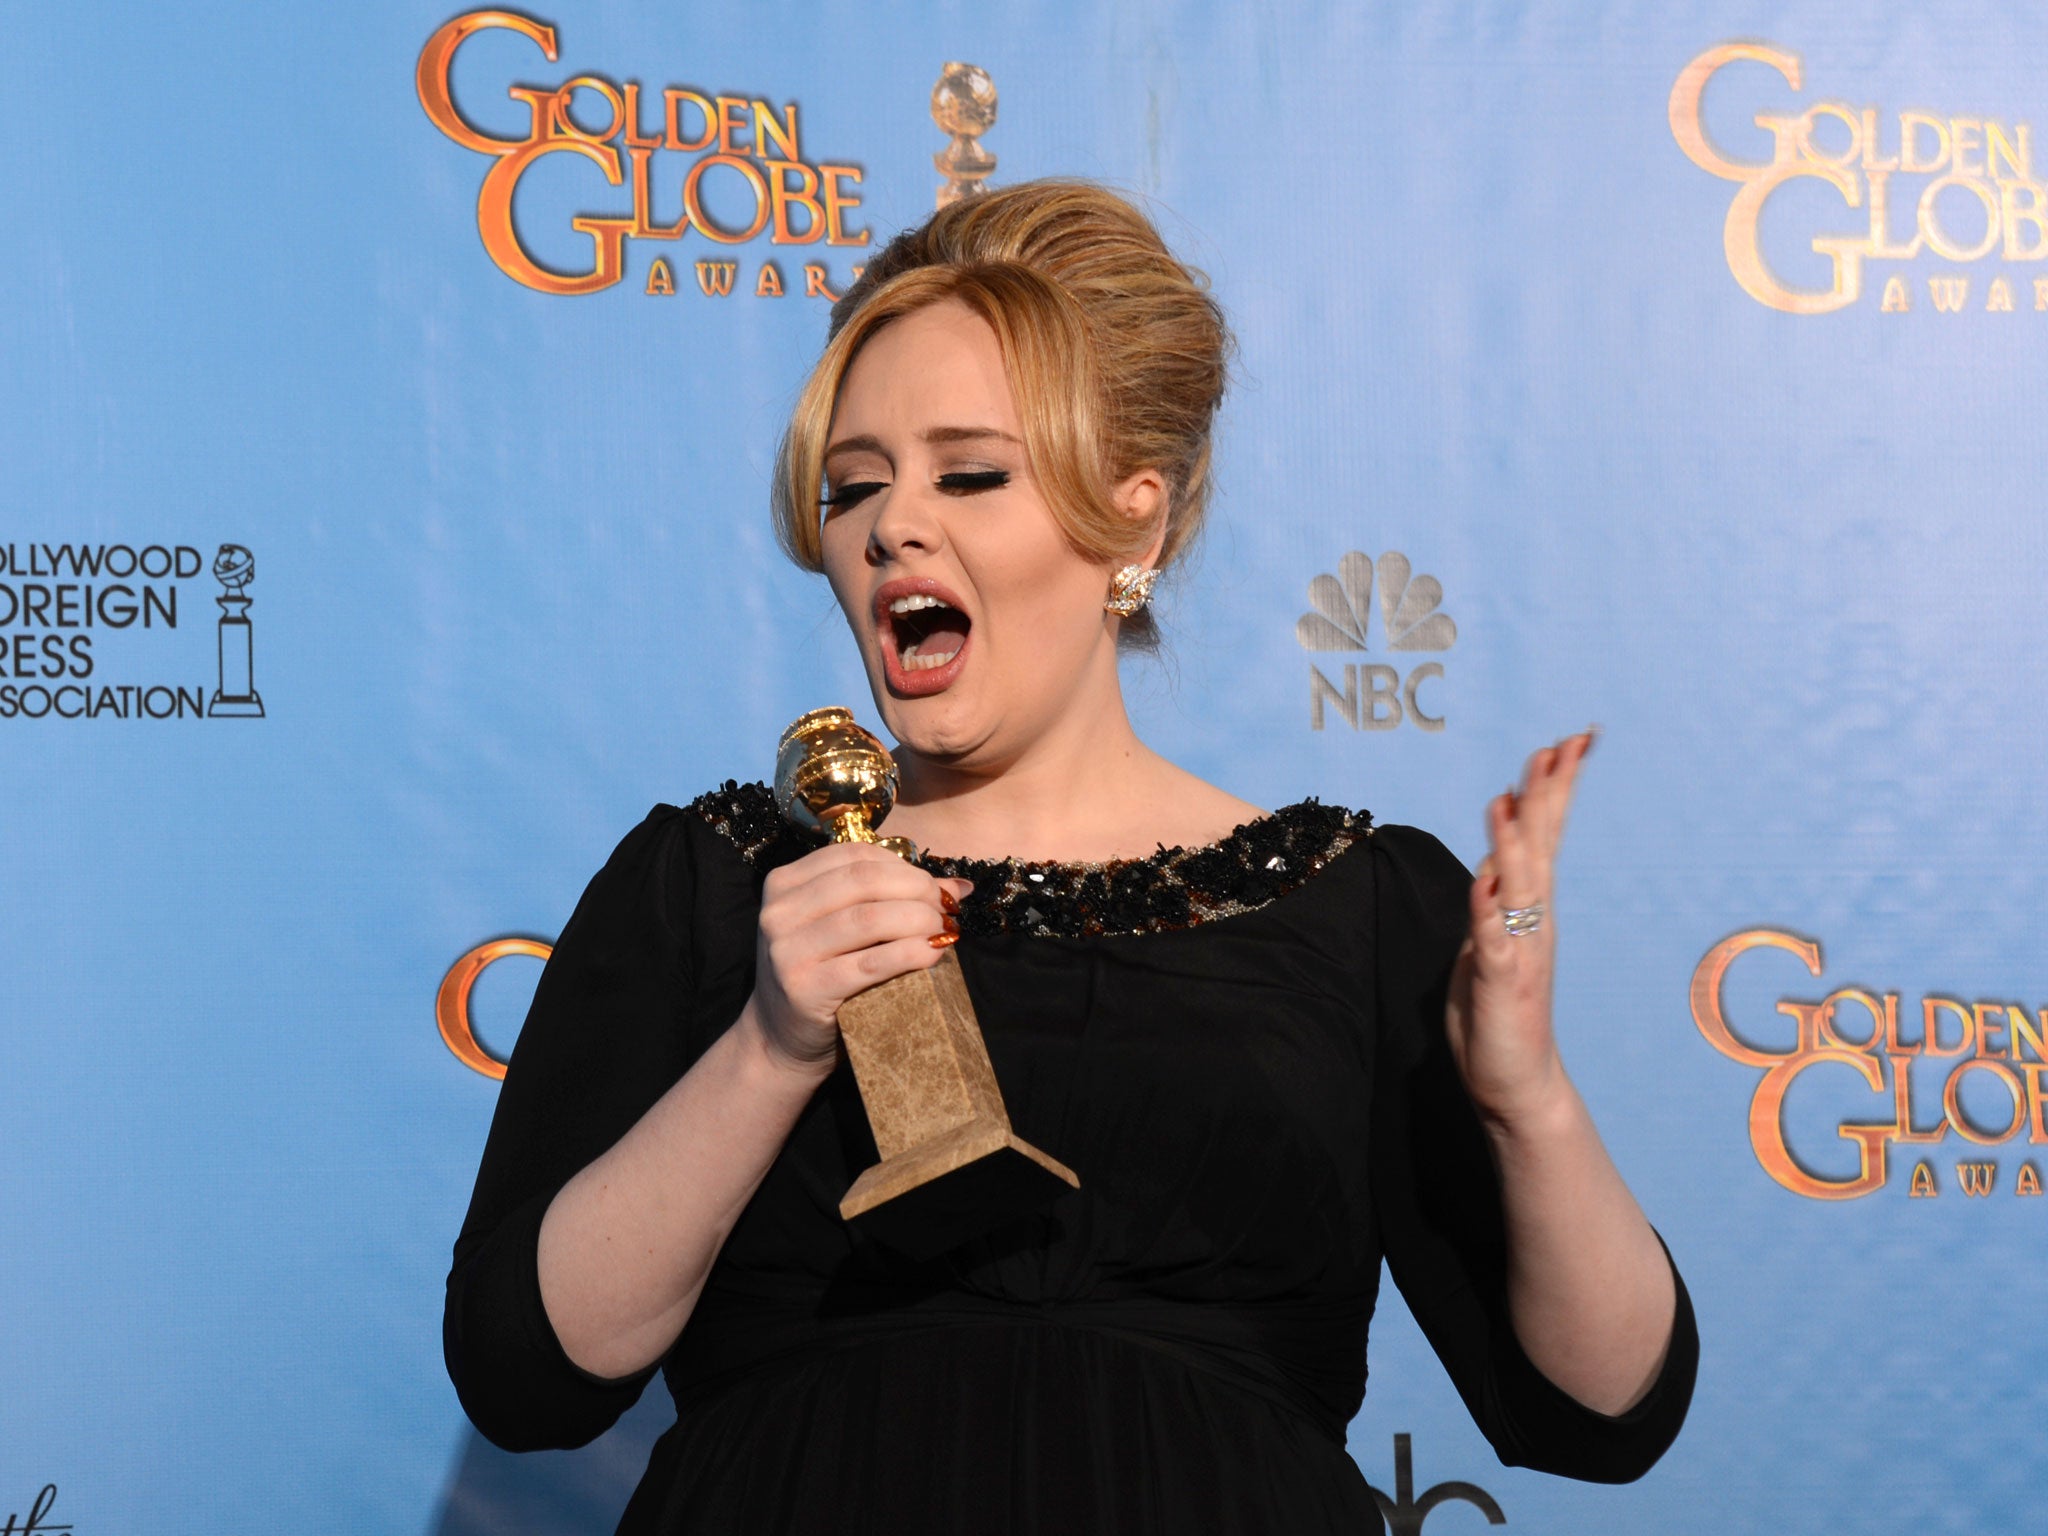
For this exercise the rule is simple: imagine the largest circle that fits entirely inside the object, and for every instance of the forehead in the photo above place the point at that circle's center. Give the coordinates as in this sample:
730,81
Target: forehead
941,362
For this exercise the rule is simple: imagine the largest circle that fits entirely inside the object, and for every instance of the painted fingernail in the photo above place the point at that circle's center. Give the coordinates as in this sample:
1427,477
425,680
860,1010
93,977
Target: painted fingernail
942,940
950,925
948,902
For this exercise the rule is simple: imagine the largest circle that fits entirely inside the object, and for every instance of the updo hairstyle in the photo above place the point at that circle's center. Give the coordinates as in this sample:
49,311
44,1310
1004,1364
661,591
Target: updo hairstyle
1114,352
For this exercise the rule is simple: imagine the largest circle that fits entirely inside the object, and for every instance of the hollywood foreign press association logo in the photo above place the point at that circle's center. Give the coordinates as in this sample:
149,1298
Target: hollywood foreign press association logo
90,632
1374,696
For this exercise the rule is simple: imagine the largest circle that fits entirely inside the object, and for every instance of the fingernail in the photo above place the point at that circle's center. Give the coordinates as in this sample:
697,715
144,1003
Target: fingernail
943,940
948,902
951,925
1592,738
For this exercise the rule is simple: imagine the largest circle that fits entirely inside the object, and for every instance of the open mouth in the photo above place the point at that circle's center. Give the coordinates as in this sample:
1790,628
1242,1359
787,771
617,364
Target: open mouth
925,631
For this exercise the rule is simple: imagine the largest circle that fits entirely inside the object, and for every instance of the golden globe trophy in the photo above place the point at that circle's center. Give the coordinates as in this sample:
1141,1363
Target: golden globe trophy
964,107
952,1168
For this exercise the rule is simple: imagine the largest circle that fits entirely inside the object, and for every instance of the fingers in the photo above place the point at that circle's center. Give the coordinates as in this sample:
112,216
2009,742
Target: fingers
869,923
1547,784
1524,827
1539,808
850,874
1488,935
850,900
838,921
1521,871
844,975
838,863
1538,791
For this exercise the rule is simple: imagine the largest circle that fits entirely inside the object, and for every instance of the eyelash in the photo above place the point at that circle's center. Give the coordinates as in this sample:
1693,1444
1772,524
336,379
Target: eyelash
964,482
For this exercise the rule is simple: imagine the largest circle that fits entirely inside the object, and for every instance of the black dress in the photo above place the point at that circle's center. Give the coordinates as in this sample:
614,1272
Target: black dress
1239,1048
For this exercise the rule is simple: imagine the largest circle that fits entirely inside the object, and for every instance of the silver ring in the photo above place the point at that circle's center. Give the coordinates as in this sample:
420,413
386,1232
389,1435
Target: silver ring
1522,921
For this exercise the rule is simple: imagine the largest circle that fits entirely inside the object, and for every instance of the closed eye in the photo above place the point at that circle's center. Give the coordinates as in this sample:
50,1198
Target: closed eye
966,482
852,494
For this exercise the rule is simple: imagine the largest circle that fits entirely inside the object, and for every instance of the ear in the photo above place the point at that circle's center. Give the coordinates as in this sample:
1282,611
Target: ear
1143,497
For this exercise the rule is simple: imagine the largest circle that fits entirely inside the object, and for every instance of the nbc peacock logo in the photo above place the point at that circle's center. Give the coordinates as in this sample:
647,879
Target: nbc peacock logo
1374,696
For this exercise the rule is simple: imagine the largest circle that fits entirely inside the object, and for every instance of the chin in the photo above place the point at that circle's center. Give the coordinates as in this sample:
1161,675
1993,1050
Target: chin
931,727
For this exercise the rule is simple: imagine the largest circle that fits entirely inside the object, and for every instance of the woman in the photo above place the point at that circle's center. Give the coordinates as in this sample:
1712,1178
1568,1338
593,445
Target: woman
1277,1047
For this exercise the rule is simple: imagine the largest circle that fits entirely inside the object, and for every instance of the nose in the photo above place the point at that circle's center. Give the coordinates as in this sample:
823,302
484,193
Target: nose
908,523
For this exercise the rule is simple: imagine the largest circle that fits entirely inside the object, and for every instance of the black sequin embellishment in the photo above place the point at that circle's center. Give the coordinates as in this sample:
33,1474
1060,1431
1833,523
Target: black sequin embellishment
747,815
1256,863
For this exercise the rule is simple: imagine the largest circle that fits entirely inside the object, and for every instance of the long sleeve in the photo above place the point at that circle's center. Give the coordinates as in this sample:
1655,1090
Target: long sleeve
609,1031
1438,1201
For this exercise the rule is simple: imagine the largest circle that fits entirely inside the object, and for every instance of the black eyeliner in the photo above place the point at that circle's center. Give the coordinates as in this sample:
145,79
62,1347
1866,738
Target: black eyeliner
975,479
840,498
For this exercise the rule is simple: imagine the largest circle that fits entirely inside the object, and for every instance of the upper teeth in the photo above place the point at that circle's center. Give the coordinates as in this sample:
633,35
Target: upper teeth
915,601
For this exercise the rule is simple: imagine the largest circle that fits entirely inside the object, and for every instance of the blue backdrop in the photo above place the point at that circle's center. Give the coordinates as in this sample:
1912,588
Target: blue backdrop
1529,298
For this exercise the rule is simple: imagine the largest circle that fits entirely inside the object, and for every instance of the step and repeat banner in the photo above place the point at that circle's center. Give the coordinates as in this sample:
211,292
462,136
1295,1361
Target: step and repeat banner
386,415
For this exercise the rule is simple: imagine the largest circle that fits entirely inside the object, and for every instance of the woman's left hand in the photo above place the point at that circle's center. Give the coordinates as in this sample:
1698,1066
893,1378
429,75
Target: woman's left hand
1498,1018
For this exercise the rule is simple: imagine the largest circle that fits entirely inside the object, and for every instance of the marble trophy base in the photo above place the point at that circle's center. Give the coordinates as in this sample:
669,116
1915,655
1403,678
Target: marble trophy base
952,1167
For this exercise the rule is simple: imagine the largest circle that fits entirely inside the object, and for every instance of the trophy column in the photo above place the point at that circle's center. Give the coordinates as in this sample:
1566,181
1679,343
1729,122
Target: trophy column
937,1113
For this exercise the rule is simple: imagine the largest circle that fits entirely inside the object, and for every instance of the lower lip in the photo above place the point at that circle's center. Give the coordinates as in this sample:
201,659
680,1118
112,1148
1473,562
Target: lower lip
907,684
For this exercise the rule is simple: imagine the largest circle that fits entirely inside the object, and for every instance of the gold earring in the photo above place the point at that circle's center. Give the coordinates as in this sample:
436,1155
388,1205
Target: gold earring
1129,589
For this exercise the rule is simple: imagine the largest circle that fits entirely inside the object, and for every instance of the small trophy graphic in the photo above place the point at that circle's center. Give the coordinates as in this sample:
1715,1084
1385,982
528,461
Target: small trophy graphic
234,568
964,105
952,1168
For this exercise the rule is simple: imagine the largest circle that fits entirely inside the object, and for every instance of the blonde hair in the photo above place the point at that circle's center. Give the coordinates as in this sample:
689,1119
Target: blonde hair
1113,349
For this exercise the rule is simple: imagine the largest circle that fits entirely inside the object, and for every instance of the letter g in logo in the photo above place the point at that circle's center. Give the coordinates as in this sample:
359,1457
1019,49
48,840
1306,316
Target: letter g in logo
451,1003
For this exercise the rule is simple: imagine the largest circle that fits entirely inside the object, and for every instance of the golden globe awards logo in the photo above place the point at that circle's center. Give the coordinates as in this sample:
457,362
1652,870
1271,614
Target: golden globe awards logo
1929,1068
452,999
1915,187
79,621
1374,695
743,154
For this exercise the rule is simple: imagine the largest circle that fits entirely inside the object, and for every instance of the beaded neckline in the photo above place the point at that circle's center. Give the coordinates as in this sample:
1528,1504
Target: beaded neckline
1255,863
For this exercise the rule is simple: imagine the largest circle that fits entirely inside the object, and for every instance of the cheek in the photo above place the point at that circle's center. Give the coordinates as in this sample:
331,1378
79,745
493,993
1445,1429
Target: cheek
1020,547
1046,596
844,571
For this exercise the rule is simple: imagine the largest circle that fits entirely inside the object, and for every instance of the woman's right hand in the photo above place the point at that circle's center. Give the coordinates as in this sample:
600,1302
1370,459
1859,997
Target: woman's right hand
626,1244
833,923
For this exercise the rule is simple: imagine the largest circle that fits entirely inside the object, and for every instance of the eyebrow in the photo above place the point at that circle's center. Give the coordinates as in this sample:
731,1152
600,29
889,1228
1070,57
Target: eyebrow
868,443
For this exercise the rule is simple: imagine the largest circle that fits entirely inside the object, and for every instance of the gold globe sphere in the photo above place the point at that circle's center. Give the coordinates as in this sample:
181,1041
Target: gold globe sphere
832,776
